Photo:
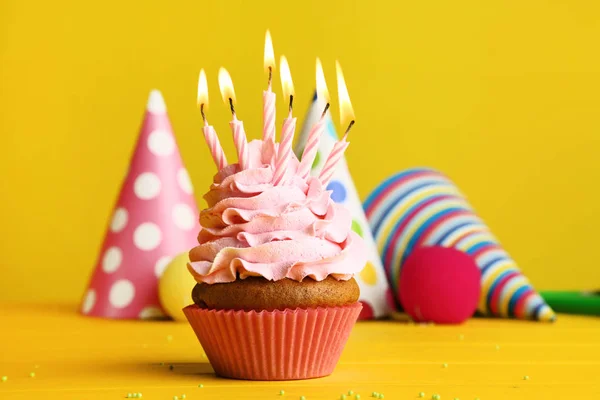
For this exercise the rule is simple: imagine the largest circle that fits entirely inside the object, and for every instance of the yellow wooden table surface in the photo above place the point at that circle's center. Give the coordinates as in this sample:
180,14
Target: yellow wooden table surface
75,357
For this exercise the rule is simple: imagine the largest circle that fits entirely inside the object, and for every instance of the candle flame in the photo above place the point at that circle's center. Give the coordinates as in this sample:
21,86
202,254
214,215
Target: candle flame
202,90
226,86
346,111
269,58
322,91
286,78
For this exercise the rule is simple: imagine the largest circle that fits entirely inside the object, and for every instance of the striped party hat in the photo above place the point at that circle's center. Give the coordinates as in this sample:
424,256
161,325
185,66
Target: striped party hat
421,207
374,290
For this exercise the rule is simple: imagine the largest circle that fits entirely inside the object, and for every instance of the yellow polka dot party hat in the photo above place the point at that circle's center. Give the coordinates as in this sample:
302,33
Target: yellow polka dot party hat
374,289
154,219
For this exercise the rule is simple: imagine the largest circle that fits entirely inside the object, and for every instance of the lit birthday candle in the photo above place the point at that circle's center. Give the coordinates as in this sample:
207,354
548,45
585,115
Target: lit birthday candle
268,95
237,126
346,116
284,151
209,132
312,143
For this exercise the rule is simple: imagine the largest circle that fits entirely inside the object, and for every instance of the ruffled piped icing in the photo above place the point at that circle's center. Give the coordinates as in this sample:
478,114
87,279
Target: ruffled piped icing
254,228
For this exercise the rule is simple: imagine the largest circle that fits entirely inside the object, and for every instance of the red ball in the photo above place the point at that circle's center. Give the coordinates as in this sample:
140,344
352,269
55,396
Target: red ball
440,285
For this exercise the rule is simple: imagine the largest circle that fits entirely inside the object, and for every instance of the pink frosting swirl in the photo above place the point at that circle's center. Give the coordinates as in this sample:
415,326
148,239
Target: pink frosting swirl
253,228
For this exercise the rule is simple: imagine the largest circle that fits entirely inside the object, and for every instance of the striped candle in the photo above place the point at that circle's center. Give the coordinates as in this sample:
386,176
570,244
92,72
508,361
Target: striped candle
214,145
268,115
285,150
268,95
268,125
332,161
312,146
241,143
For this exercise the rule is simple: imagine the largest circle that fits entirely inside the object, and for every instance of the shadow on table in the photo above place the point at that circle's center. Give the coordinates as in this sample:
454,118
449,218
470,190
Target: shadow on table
203,368
154,370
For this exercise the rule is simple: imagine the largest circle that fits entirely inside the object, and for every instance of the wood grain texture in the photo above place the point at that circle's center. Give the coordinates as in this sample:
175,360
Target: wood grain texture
75,357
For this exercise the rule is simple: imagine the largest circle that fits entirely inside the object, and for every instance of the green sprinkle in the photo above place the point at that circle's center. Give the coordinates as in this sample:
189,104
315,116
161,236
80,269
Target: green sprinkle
134,395
200,385
476,398
436,397
32,374
162,364
175,398
421,394
374,394
139,395
281,392
4,378
380,395
302,398
129,395
357,396
182,396
526,378
445,365
456,398
350,392
343,397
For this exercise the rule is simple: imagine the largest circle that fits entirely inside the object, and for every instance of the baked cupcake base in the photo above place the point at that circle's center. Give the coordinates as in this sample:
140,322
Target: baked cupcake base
258,293
288,344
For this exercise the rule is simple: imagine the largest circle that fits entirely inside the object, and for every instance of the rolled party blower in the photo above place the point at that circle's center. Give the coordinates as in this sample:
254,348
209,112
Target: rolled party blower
421,208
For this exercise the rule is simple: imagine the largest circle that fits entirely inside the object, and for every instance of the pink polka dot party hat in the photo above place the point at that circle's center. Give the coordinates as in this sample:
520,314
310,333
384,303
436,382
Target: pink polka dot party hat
155,218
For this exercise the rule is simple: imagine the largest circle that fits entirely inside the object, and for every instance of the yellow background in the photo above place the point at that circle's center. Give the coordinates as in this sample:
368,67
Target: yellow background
503,96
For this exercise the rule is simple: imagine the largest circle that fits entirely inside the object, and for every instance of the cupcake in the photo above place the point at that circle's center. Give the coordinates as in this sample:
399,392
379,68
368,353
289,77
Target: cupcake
275,297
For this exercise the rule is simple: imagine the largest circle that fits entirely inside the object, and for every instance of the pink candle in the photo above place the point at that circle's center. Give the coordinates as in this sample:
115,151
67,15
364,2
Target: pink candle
268,115
214,145
268,95
237,126
346,113
268,125
332,161
285,150
312,146
209,132
241,143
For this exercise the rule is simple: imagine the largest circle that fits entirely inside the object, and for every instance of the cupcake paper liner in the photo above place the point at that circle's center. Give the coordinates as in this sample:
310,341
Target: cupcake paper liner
273,345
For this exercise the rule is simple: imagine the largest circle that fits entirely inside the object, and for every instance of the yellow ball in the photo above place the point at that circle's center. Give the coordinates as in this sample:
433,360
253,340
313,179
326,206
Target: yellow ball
175,287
